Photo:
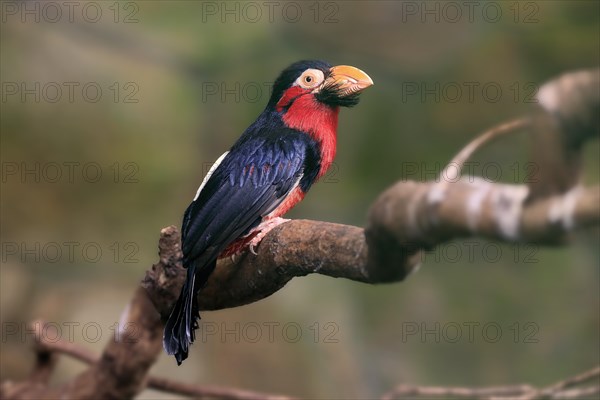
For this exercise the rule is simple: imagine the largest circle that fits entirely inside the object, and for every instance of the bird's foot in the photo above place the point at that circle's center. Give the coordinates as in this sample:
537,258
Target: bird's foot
262,230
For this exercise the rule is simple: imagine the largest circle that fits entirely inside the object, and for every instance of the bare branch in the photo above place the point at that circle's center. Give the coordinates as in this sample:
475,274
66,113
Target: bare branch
405,220
425,214
560,390
46,349
411,391
213,392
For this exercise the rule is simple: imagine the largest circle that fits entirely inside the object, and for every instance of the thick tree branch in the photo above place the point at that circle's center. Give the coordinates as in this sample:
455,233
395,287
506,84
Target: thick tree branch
297,248
406,218
425,214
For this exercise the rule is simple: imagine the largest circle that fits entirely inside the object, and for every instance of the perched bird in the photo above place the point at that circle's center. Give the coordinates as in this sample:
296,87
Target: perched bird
266,172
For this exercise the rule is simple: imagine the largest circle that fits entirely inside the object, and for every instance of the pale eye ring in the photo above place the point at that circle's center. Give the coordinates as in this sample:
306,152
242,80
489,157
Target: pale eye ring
310,78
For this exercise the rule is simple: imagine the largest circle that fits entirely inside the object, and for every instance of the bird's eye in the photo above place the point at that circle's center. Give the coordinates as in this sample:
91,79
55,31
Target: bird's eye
310,78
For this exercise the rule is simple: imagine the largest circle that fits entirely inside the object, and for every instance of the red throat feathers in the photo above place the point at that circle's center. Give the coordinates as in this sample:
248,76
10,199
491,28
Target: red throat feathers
319,120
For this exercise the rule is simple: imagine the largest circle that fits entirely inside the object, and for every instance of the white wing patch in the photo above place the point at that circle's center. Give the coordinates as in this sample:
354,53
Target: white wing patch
210,172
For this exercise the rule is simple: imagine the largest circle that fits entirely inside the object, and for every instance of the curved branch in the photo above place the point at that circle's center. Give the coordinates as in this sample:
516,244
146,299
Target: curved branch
407,218
296,248
483,139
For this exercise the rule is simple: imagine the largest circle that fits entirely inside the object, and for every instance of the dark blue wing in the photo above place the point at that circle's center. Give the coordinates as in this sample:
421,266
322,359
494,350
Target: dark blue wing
250,182
255,177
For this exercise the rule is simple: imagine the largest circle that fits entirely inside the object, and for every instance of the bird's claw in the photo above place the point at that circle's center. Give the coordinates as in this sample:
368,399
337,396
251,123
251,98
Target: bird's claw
252,249
262,230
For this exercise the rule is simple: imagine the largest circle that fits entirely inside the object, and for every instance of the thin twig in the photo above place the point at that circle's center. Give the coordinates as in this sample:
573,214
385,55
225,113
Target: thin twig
486,137
43,344
216,392
410,391
557,390
560,390
157,383
594,373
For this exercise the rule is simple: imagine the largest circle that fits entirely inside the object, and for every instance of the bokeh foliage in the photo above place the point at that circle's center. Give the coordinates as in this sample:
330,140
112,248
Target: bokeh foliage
175,55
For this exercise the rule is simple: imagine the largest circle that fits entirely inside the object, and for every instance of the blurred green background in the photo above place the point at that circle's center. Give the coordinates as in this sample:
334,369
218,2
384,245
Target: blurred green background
90,177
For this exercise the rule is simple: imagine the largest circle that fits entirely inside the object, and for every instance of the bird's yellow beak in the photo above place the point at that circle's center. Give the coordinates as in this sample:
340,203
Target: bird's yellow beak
348,80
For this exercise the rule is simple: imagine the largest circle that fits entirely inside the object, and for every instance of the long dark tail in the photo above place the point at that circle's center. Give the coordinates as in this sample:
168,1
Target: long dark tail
180,328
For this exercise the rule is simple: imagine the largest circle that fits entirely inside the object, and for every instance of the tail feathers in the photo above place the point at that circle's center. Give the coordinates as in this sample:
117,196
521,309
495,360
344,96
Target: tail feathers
180,328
